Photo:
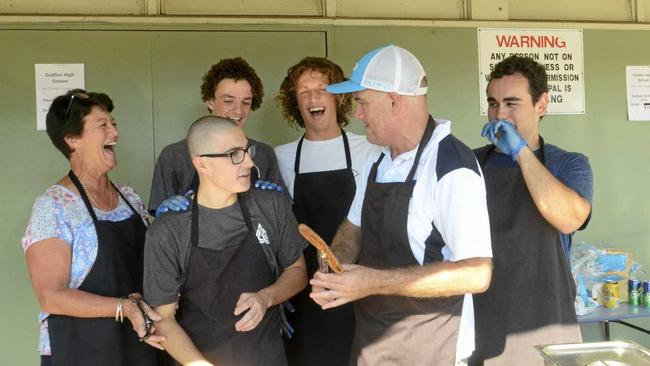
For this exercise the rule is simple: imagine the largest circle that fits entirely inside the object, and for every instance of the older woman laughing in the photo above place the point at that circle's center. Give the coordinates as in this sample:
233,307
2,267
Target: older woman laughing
84,245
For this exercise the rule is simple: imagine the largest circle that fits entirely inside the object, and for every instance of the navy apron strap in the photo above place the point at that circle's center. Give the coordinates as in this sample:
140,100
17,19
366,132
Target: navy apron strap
84,195
194,241
346,145
270,256
296,163
431,125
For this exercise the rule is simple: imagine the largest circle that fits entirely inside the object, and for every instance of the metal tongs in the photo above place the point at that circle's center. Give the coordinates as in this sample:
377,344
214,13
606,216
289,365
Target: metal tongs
323,265
148,323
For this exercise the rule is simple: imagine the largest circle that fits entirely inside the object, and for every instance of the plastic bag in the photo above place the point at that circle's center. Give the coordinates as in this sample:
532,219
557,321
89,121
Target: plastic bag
592,266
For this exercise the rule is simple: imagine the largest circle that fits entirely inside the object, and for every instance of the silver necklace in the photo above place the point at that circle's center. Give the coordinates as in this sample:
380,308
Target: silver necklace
92,200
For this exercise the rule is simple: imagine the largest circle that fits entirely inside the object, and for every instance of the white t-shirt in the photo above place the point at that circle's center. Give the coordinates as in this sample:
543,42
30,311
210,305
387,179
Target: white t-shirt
325,155
455,202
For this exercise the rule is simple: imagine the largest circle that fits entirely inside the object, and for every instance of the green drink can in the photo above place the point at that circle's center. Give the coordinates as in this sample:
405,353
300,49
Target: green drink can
634,292
646,294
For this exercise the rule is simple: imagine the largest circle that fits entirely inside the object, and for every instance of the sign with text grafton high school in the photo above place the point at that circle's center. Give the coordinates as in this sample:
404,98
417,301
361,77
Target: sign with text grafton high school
559,50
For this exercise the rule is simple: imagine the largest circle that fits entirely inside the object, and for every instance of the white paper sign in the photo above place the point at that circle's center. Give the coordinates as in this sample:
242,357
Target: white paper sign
559,50
638,93
53,80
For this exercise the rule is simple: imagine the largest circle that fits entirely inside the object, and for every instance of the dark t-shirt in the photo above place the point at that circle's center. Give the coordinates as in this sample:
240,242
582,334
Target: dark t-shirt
168,239
174,171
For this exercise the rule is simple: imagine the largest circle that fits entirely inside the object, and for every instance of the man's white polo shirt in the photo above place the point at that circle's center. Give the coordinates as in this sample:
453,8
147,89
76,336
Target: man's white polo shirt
450,193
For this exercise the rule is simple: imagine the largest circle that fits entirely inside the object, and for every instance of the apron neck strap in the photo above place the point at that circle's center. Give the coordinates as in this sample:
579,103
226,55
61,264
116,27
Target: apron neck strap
542,149
346,146
83,194
125,200
428,132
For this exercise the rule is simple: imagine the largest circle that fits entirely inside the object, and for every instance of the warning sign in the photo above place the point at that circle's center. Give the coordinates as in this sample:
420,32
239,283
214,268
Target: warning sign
559,50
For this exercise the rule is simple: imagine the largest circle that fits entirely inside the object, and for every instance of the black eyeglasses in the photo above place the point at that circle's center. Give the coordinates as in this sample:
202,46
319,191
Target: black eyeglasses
72,98
237,155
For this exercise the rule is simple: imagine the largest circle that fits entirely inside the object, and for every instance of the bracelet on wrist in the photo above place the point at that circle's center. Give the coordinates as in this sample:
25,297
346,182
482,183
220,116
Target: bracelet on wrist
119,310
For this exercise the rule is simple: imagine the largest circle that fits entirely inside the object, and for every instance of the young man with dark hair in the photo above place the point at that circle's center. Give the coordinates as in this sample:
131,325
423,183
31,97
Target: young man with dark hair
538,195
230,89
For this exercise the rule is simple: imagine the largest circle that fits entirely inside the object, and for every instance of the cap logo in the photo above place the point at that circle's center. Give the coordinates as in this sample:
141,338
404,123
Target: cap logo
378,85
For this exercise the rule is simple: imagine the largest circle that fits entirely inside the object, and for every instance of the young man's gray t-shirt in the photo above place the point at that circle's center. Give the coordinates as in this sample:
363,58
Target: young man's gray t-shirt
168,239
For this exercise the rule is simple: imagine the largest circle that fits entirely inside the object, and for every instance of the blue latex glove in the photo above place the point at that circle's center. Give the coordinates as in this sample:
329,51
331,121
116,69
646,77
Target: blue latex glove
285,326
504,135
266,185
175,203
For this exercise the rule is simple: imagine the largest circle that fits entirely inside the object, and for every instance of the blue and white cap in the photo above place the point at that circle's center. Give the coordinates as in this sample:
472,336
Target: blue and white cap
387,69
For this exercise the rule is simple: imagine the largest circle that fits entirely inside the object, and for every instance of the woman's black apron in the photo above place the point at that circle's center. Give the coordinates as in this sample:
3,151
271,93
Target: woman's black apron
215,280
321,200
117,272
530,299
398,330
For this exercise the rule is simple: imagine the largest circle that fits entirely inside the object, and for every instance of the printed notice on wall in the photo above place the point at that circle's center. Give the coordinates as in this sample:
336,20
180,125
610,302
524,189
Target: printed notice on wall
559,50
638,93
53,80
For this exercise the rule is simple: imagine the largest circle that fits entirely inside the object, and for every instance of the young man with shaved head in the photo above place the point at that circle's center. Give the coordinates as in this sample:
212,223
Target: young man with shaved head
228,262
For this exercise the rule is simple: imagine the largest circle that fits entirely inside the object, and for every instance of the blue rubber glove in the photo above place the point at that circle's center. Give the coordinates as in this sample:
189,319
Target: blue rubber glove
266,185
285,326
175,203
504,135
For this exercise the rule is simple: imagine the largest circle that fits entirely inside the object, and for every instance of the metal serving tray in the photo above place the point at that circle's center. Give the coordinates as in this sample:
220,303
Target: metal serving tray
613,353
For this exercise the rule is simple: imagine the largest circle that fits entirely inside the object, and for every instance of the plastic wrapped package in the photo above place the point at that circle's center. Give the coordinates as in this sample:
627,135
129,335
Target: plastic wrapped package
592,266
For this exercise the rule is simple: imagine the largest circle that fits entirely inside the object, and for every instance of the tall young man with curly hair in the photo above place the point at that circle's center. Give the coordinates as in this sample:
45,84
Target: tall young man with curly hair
230,89
321,170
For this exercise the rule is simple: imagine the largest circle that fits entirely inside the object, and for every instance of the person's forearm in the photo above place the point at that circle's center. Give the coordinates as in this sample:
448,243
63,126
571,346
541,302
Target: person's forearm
347,243
561,206
292,280
77,303
440,279
177,343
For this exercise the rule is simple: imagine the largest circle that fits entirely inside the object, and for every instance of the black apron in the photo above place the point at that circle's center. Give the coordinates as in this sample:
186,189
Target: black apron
321,200
530,299
399,330
215,279
117,271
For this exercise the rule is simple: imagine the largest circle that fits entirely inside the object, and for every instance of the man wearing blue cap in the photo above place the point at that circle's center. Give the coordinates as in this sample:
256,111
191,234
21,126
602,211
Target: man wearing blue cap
416,241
